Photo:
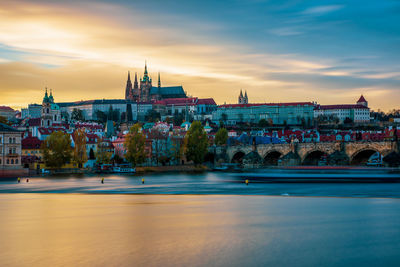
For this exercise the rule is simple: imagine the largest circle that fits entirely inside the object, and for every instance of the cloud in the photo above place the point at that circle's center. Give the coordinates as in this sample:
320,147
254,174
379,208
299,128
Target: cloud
83,51
321,10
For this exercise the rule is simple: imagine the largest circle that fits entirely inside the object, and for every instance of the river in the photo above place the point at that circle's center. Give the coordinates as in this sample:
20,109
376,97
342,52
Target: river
206,219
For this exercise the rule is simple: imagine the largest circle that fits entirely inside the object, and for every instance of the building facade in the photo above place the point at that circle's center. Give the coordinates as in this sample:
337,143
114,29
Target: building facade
274,113
90,108
358,113
10,147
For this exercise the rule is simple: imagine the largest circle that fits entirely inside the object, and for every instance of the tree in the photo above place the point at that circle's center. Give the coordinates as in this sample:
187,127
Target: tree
196,143
134,144
221,137
101,116
263,123
56,149
91,154
103,155
80,155
178,118
177,148
129,112
152,116
224,117
4,120
347,120
65,115
77,115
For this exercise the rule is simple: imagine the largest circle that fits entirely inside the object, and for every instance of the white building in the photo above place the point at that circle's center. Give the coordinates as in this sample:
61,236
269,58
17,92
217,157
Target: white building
357,113
90,108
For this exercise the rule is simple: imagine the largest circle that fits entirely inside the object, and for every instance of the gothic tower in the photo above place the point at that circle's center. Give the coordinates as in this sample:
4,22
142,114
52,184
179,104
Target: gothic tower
128,89
145,86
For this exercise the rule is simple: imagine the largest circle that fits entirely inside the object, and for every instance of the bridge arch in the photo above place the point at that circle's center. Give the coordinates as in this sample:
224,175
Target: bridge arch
238,157
361,156
272,158
314,156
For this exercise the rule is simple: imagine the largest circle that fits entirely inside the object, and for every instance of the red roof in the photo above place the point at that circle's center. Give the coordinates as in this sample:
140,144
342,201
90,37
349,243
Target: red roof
362,99
5,108
34,122
31,142
266,104
206,101
47,131
344,106
178,101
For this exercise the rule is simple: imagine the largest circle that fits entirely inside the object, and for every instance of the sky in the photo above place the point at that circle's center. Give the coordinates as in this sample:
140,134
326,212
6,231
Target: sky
330,52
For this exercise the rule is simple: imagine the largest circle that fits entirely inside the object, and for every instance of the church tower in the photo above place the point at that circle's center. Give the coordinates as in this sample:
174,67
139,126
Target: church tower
50,113
128,89
145,86
243,99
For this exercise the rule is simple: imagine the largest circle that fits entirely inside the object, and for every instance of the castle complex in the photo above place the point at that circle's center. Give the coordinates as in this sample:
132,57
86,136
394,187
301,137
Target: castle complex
146,92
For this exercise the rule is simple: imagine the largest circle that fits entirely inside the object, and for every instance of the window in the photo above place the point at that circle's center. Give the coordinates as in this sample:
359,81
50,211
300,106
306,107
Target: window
16,161
8,161
47,111
12,161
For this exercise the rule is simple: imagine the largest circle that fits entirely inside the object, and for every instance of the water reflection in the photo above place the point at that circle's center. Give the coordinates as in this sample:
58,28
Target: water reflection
202,183
171,230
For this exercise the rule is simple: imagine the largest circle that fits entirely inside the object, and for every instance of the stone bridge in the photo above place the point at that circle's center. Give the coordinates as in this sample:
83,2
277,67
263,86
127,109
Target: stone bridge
338,153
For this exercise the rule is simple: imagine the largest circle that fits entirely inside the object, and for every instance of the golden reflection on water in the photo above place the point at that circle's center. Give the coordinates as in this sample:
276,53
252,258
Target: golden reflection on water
196,230
88,230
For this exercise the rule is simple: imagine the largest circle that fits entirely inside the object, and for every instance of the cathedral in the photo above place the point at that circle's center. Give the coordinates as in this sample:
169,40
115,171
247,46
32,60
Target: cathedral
146,92
243,99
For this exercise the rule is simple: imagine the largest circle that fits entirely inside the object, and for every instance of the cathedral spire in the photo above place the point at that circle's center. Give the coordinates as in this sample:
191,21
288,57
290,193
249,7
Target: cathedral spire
159,80
135,83
128,88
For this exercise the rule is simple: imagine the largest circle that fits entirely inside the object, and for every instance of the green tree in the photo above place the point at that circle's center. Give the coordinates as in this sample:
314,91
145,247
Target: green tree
263,123
224,117
77,115
129,112
221,137
4,120
196,143
103,155
80,155
56,149
134,144
101,116
152,116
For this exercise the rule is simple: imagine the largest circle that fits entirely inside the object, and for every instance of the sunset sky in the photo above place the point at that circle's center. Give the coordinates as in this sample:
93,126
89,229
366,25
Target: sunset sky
279,51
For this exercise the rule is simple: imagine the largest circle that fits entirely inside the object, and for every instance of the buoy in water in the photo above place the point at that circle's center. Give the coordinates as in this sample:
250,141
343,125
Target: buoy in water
247,181
142,180
102,180
19,180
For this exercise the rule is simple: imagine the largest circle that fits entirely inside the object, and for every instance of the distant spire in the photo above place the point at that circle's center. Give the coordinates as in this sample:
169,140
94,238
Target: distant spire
245,94
145,68
159,80
46,95
135,83
128,88
241,93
